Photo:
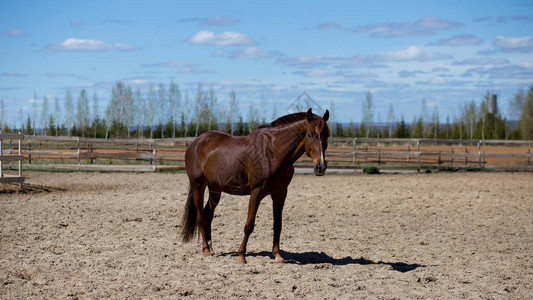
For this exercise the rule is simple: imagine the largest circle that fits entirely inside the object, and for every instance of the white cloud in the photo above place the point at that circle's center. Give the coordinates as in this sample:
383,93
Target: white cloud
360,61
195,71
481,61
73,44
503,19
12,74
436,23
441,81
408,74
315,73
214,21
227,38
507,72
329,26
514,44
13,32
337,61
424,26
171,63
412,53
459,40
247,53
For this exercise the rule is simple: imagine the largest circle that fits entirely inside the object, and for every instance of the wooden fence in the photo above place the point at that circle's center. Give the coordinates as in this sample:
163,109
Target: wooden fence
343,153
8,156
434,153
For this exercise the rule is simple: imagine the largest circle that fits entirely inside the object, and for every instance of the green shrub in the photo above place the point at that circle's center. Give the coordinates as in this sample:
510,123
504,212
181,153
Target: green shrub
371,170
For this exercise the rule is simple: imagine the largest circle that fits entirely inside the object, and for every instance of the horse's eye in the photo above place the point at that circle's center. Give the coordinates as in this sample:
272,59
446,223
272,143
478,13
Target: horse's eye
308,135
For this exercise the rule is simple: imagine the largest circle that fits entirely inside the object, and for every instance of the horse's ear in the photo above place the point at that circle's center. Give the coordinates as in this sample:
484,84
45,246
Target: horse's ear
309,115
326,116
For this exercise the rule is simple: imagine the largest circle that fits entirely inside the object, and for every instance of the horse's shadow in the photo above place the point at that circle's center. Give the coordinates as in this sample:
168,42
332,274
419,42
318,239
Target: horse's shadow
312,258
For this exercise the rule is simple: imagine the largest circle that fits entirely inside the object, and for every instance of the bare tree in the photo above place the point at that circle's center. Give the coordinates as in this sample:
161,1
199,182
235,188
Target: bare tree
185,117
96,112
34,112
44,115
21,118
139,108
426,131
162,106
390,118
129,108
2,115
252,118
435,122
174,99
198,107
516,104
83,112
526,119
57,114
151,109
368,113
262,110
96,107
211,106
233,107
69,112
469,116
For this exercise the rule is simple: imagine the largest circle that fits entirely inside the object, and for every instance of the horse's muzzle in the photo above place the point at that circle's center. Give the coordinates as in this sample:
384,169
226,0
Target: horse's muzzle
320,169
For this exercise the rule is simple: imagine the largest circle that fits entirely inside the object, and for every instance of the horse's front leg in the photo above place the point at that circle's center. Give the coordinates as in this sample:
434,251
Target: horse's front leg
278,201
253,205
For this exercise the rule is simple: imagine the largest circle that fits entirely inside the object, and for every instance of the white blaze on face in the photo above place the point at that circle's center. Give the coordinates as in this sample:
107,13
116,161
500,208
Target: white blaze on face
322,161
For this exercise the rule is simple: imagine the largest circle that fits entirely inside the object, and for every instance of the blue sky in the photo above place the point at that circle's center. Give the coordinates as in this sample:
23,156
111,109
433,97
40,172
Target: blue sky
446,52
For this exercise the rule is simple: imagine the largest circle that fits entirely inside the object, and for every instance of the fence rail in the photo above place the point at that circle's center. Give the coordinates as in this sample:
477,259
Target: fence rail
343,153
10,157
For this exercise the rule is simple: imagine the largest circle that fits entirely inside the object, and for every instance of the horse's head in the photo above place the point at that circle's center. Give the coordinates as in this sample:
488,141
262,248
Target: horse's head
316,140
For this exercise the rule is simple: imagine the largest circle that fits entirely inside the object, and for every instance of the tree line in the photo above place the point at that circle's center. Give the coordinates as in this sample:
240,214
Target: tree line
163,111
475,121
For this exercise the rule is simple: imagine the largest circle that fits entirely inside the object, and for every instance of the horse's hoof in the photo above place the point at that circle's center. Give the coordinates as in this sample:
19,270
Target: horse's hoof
207,253
241,260
279,259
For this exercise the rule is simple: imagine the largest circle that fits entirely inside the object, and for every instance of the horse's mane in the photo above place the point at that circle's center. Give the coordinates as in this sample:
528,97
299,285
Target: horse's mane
288,119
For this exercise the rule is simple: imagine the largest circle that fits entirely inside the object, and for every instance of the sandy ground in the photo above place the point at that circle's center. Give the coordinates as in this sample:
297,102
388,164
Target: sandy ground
116,235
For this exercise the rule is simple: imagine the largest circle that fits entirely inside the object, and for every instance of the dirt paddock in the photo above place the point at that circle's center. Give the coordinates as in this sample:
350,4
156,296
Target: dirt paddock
115,235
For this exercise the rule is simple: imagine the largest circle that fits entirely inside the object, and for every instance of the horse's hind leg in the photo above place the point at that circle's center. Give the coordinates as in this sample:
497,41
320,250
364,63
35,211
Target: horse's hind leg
278,201
198,190
209,211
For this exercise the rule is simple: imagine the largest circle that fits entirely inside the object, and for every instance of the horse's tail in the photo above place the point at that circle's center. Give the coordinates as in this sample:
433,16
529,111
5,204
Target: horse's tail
188,221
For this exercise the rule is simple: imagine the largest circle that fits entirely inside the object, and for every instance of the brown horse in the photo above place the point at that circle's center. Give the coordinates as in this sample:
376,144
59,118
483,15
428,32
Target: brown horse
258,165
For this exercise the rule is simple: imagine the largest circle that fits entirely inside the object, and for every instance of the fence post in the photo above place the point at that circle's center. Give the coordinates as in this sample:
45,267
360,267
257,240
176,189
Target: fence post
78,140
451,158
1,161
20,161
418,155
91,150
354,151
466,157
154,152
479,154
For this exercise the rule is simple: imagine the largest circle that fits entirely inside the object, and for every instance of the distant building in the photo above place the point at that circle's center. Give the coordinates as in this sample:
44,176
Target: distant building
492,104
303,103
